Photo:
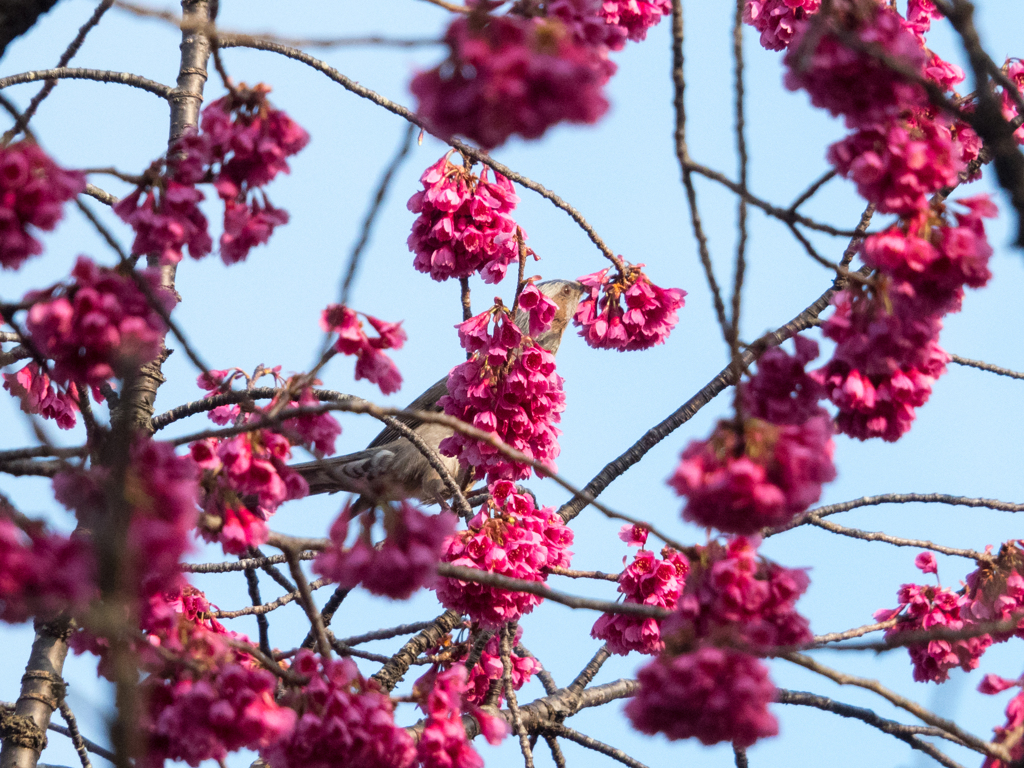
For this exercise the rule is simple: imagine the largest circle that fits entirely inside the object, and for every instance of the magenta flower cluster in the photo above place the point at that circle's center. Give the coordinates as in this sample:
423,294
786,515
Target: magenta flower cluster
405,562
342,720
490,668
39,395
635,16
443,743
465,223
714,694
778,20
648,316
98,326
511,537
33,190
371,362
508,388
508,75
648,580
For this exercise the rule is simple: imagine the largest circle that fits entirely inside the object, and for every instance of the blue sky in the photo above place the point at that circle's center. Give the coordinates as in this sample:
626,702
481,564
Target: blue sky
623,176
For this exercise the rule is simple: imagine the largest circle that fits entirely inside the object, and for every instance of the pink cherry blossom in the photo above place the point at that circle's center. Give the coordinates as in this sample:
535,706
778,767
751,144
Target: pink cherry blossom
646,320
925,562
38,395
995,591
733,595
715,694
853,83
586,21
767,476
1014,723
247,225
508,75
465,223
371,363
223,711
993,684
633,535
777,20
899,164
782,392
407,560
33,190
99,326
511,537
343,721
42,573
508,388
645,581
635,16
1014,69
166,220
443,743
922,608
540,309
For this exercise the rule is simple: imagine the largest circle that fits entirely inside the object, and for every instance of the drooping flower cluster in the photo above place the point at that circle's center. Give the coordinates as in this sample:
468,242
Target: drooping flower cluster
371,362
38,395
887,355
488,669
33,190
511,537
646,581
764,477
465,223
733,595
161,488
995,591
777,20
635,16
588,22
42,573
649,314
922,608
1014,69
405,562
508,75
99,326
993,684
715,694
343,720
443,743
510,389
245,479
242,144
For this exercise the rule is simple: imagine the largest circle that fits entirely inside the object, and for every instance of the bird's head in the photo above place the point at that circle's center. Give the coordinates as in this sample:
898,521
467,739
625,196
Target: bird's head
566,294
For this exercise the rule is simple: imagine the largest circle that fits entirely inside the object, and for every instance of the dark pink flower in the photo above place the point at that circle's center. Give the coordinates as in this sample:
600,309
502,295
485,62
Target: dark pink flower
782,392
443,743
42,573
585,19
925,562
714,694
995,591
465,223
407,561
733,595
165,223
99,326
371,363
225,710
645,581
853,83
508,388
1014,69
343,721
540,309
777,20
33,190
38,395
633,535
899,164
509,537
1014,723
767,476
647,318
922,608
993,684
247,225
510,75
635,16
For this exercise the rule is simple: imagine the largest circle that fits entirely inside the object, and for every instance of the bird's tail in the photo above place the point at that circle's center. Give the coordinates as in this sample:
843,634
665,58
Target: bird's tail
353,473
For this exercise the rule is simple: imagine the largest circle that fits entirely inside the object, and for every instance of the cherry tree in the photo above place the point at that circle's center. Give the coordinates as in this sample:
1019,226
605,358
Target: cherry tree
192,337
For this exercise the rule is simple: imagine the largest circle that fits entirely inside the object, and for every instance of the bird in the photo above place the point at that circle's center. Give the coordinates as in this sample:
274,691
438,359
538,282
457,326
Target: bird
391,468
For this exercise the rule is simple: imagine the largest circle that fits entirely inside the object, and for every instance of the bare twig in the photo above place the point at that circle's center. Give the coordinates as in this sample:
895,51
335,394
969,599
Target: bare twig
985,367
856,533
99,75
557,729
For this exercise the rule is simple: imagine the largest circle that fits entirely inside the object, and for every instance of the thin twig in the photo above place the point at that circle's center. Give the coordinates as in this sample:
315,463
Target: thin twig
835,637
76,736
557,729
587,674
856,533
99,75
260,609
985,367
510,694
306,598
241,565
808,193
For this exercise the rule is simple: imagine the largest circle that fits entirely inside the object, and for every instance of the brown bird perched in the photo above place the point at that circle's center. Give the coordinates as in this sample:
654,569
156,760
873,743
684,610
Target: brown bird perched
391,467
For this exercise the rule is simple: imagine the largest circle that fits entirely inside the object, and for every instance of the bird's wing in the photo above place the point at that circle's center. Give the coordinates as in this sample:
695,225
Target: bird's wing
425,402
355,473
